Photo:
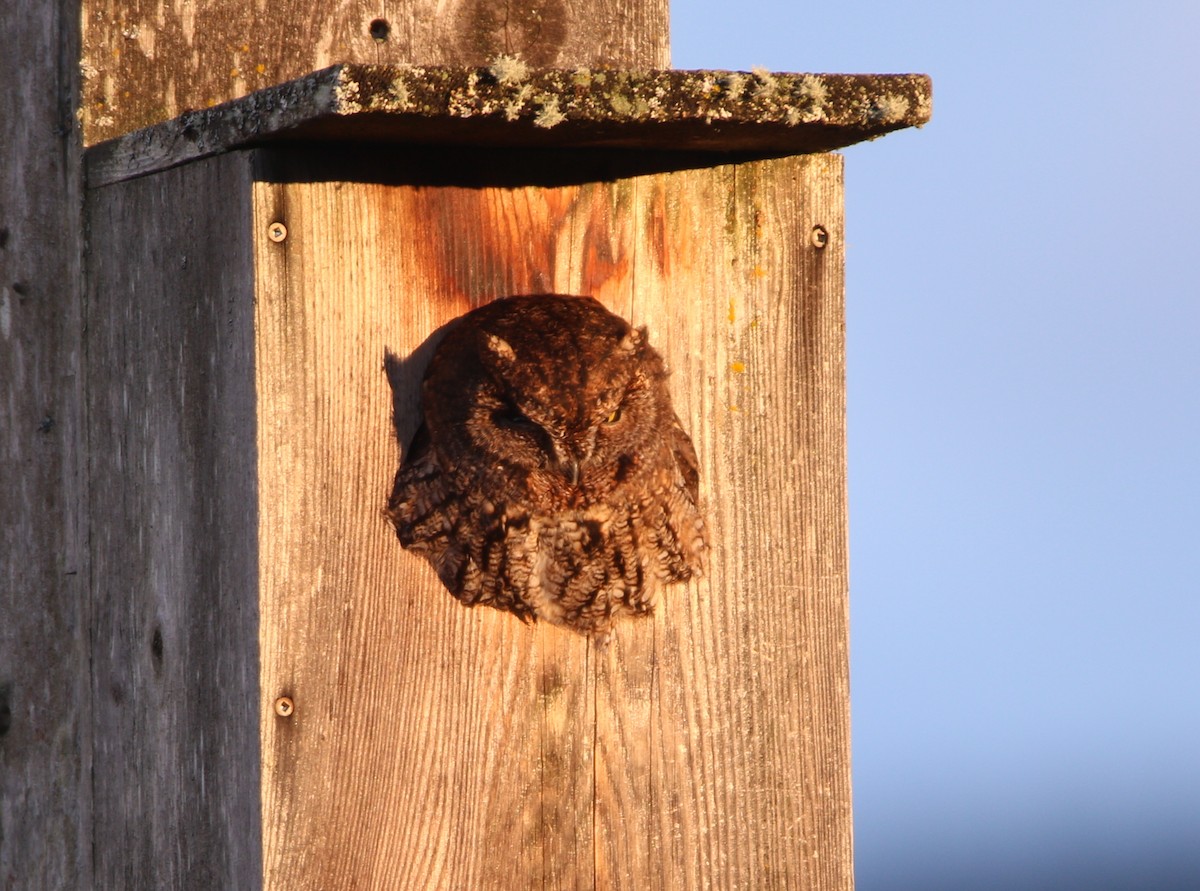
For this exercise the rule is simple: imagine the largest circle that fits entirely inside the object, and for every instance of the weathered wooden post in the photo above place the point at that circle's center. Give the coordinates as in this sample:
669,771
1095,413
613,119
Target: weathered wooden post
45,727
280,694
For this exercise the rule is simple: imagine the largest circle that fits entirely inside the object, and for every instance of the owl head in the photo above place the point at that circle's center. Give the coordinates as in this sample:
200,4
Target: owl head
556,392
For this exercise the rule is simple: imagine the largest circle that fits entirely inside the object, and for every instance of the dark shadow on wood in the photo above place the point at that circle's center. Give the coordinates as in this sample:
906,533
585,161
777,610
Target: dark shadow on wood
404,376
469,167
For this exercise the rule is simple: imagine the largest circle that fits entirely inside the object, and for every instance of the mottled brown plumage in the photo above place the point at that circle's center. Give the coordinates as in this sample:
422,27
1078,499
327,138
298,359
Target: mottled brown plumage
551,477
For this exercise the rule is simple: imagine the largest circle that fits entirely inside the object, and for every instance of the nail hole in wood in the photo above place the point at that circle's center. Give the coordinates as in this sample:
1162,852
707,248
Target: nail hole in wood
380,30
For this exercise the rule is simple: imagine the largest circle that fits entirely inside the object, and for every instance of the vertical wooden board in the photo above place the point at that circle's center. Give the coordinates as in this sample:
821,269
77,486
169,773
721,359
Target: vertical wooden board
45,767
707,747
174,565
739,761
751,766
449,748
145,61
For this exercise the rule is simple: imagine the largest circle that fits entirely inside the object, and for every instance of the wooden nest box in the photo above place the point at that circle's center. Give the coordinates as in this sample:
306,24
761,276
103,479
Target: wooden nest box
285,698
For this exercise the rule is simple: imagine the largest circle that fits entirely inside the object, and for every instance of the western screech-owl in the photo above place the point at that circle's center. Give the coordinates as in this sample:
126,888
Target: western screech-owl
551,477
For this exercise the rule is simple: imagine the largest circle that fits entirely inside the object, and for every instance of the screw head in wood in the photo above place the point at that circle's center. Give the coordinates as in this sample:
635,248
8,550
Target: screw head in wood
284,706
277,232
820,237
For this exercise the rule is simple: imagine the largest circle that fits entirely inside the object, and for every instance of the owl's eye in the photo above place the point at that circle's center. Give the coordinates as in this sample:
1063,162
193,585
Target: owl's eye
613,416
513,417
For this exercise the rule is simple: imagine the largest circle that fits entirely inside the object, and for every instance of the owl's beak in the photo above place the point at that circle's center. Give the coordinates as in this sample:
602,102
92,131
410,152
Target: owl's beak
571,456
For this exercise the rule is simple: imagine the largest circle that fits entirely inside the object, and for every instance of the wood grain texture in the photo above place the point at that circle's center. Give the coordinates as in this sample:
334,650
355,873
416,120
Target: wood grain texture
434,746
171,408
45,767
145,61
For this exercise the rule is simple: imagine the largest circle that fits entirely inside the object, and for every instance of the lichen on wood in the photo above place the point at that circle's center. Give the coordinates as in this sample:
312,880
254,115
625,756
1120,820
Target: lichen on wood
507,104
626,97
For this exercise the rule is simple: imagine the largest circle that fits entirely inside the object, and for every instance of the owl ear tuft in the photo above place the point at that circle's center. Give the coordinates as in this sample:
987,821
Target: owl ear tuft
500,347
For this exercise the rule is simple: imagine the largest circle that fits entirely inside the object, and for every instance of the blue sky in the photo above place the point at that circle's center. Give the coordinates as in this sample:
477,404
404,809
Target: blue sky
1023,342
